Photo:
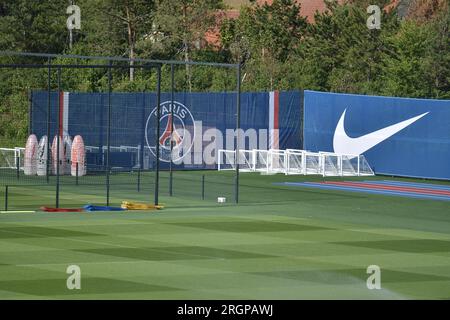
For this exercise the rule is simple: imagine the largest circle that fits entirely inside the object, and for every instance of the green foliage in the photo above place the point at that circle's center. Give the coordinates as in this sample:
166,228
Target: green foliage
341,54
405,73
33,26
278,49
438,57
263,38
421,64
183,23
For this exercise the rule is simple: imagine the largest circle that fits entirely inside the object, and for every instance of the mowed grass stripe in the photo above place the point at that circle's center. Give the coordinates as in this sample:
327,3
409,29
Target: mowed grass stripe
345,276
40,232
175,253
89,286
299,245
250,226
413,245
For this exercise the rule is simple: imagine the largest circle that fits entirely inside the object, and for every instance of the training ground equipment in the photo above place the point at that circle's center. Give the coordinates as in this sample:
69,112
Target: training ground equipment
355,165
140,206
7,158
334,164
330,164
10,158
295,159
57,139
31,149
227,160
260,158
90,207
245,160
42,156
363,166
312,163
276,161
264,161
78,157
49,209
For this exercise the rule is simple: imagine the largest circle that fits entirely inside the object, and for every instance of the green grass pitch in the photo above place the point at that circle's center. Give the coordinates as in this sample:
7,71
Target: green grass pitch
278,243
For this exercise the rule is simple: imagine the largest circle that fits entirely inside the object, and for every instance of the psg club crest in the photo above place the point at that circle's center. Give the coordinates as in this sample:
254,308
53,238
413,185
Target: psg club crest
176,127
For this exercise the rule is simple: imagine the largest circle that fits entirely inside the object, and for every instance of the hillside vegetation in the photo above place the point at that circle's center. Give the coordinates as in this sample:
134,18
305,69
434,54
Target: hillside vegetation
278,48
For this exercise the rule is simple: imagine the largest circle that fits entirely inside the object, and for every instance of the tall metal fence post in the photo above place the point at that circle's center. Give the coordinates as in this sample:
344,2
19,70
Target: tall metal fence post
139,180
158,116
58,135
30,112
238,125
172,89
203,187
108,135
76,174
18,166
302,117
47,164
6,198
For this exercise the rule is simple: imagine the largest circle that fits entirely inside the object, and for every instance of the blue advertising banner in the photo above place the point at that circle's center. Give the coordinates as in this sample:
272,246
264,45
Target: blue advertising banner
398,136
202,124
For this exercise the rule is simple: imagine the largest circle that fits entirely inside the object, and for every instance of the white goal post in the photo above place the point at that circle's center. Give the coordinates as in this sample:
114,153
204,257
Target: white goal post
227,160
245,160
334,164
276,161
331,164
270,161
11,157
363,167
312,163
294,162
256,160
260,160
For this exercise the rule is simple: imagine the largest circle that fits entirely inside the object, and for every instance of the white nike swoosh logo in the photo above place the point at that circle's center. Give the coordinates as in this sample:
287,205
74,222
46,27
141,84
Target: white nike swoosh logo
342,143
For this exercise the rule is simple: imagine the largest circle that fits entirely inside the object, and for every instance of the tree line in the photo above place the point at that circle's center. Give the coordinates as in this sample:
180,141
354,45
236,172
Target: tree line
278,48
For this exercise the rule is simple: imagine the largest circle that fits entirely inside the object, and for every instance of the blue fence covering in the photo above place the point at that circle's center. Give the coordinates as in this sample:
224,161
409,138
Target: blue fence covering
204,122
398,136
